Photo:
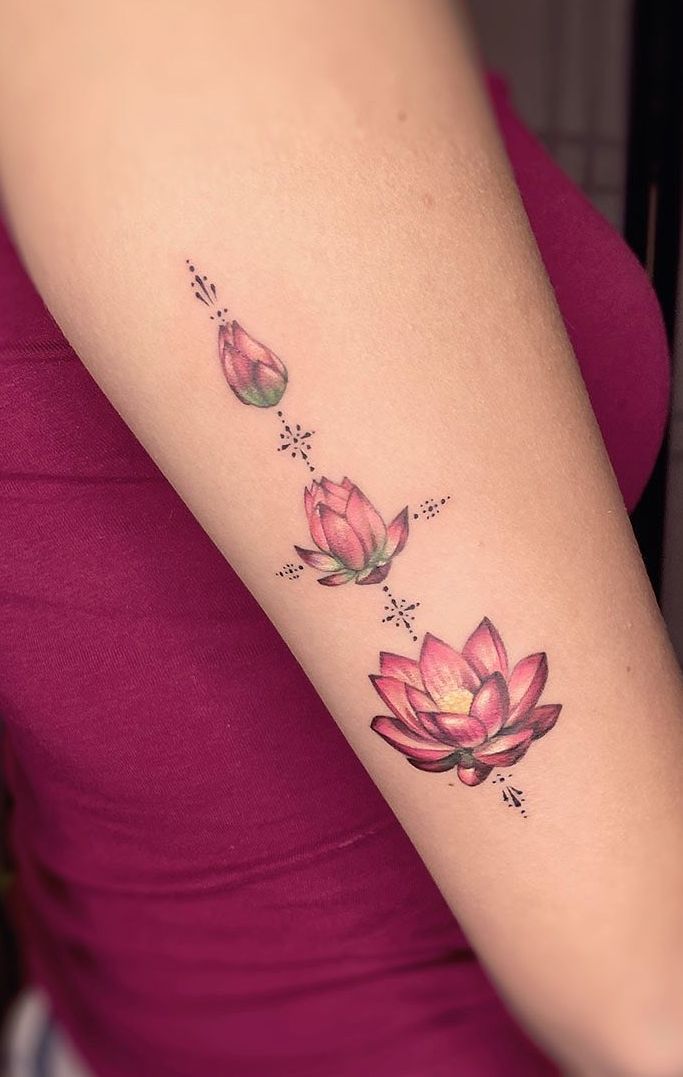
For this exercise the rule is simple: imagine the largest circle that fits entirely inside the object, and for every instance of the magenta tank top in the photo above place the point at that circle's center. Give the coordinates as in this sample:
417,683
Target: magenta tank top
208,882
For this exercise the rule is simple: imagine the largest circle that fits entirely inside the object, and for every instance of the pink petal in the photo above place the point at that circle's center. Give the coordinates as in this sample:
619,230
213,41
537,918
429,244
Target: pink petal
334,495
336,579
246,344
525,685
428,723
224,336
315,526
490,704
399,736
238,369
334,503
366,522
542,719
278,365
324,562
419,700
268,380
485,650
460,730
397,534
406,669
505,749
474,775
342,540
313,497
437,766
444,670
338,489
379,573
393,693
258,353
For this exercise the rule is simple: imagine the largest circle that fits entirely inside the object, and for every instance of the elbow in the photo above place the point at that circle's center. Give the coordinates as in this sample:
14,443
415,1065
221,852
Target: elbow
631,1047
625,1020
647,1061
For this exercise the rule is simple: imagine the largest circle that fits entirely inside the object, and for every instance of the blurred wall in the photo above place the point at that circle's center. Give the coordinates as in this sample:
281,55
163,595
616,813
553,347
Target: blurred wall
568,66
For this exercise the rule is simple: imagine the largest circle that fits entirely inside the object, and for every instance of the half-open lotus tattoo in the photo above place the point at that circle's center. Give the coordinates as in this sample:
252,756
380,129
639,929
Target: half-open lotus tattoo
354,543
464,709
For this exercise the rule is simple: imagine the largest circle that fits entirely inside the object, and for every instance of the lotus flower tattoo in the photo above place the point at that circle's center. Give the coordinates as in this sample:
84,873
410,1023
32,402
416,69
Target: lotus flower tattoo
464,709
354,543
253,372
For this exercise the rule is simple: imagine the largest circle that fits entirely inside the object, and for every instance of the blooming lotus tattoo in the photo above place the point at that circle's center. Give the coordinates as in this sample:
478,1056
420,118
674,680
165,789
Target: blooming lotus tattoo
463,709
354,544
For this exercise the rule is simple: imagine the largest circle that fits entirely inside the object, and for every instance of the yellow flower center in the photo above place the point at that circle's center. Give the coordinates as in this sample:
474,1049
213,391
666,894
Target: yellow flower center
457,701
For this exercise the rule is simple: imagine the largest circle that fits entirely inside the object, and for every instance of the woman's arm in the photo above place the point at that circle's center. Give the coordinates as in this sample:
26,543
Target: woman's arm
333,168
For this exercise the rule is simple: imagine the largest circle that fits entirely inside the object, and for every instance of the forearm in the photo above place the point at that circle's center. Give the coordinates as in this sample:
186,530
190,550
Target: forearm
335,170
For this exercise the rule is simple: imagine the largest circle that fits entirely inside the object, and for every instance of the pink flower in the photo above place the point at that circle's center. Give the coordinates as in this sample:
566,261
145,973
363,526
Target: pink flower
253,372
463,709
352,539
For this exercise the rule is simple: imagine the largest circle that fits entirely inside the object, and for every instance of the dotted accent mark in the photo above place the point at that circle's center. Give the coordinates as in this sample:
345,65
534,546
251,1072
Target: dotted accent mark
290,571
399,612
205,291
512,797
295,439
431,507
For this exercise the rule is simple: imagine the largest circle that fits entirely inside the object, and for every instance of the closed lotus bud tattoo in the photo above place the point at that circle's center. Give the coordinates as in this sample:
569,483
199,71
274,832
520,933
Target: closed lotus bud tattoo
254,373
354,544
464,709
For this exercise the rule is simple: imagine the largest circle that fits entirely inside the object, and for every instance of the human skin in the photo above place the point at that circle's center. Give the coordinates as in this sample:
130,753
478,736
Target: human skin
336,168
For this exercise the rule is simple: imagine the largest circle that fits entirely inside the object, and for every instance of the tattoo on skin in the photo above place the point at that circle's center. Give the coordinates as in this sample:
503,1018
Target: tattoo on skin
295,440
512,797
354,544
399,612
466,711
254,373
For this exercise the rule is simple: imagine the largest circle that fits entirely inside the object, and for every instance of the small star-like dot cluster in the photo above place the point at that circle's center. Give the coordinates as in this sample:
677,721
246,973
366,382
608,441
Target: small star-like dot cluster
512,797
205,291
399,612
431,507
290,571
296,440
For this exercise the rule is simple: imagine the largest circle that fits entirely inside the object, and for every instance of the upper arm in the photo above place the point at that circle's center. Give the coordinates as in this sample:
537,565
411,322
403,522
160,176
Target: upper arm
334,171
